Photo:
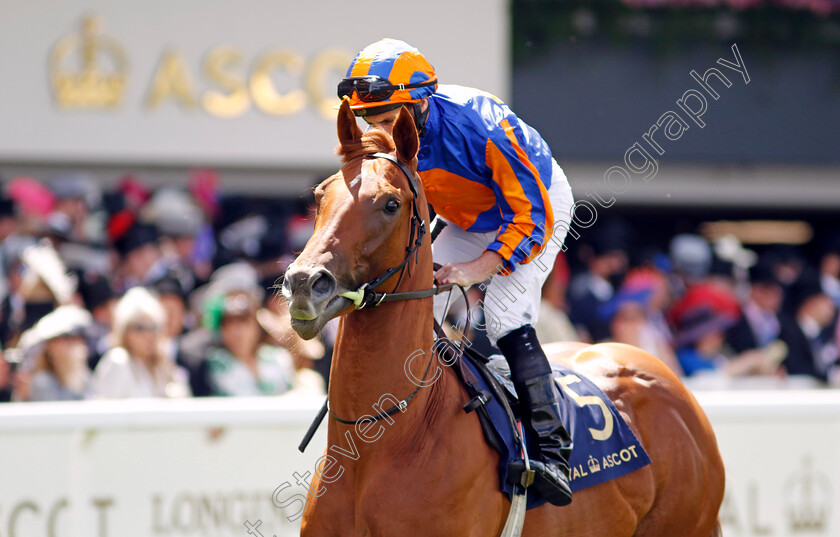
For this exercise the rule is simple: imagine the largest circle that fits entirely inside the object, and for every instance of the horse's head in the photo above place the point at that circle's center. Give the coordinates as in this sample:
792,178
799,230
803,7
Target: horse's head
362,223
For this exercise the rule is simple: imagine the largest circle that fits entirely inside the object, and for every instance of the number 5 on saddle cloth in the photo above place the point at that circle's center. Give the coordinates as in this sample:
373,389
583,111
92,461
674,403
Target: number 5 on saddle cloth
605,448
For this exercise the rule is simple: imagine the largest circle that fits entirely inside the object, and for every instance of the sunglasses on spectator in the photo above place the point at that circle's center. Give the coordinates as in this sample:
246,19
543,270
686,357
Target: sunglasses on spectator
371,89
143,328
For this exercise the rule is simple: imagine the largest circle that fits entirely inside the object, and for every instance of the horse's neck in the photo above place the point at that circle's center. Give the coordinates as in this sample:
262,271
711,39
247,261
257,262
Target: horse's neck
371,354
373,350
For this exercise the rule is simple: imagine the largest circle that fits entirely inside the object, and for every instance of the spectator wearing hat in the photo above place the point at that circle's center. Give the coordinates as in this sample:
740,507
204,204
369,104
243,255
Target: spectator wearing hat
241,364
691,260
141,260
788,265
700,337
75,195
758,325
195,345
172,296
807,332
654,279
730,263
719,298
57,349
100,299
38,284
700,342
137,365
46,275
723,273
244,358
606,260
34,202
179,220
630,312
272,255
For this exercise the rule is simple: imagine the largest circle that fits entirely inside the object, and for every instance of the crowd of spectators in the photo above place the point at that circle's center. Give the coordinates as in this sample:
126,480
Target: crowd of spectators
715,311
718,314
141,292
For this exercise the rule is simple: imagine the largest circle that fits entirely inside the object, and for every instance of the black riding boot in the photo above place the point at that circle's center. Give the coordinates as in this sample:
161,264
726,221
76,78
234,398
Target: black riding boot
534,385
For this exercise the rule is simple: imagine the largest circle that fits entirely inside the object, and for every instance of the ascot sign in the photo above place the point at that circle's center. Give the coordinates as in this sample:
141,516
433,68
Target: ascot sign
89,70
245,84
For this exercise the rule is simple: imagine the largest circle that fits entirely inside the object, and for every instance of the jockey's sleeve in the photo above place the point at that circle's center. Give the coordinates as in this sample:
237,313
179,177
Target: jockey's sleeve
522,199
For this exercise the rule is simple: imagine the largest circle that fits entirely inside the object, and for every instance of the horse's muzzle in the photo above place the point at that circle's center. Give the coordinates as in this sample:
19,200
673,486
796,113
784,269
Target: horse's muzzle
308,291
313,297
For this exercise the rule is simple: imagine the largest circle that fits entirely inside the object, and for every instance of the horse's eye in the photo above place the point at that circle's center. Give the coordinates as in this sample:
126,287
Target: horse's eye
392,206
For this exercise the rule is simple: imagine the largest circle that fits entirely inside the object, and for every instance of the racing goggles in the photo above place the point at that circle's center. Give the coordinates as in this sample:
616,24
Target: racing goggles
371,89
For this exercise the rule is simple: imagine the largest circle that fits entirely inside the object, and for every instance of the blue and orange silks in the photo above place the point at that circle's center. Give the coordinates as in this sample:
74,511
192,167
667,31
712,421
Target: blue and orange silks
486,170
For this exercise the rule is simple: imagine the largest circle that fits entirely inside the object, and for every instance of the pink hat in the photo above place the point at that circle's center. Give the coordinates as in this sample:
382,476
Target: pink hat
31,196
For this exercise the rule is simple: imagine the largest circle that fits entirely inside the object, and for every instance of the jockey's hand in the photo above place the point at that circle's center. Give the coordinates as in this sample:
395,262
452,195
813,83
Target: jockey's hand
472,272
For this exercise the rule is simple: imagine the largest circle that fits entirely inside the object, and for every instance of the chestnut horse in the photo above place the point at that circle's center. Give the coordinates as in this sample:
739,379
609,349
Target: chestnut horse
426,470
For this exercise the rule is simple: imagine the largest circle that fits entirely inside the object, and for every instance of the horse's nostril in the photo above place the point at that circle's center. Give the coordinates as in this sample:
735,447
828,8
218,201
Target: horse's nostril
323,283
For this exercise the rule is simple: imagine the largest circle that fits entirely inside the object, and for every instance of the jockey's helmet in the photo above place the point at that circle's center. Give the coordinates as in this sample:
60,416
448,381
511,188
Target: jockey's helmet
386,75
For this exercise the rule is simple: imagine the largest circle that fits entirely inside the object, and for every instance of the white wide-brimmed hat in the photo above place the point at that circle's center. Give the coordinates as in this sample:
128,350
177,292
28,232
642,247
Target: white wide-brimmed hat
43,260
63,321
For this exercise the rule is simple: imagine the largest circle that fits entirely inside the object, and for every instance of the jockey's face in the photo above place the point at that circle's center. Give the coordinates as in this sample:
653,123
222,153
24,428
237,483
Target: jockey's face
385,121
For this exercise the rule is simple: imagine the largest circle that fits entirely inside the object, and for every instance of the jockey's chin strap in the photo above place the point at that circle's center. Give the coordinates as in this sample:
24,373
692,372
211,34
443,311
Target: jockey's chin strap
366,295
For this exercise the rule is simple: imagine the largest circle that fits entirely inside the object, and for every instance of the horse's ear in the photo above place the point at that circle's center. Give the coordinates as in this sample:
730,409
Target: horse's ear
405,136
348,130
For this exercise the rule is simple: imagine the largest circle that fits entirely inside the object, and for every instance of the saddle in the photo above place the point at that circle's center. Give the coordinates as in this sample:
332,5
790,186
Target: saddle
605,447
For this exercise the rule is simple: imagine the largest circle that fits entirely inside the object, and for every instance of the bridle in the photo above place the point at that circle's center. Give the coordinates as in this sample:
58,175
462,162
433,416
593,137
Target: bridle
366,295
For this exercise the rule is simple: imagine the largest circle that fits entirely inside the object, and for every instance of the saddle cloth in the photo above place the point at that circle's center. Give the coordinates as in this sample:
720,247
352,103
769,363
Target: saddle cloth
605,447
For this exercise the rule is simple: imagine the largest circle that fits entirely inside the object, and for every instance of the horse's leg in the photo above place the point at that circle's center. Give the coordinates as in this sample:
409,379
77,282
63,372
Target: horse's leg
690,479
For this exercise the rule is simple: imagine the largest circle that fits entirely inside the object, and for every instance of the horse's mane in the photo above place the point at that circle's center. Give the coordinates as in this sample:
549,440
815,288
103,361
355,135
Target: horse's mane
373,141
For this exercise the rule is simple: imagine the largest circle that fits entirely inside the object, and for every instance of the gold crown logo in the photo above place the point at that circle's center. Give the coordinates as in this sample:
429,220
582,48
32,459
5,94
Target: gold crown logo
88,86
594,465
809,500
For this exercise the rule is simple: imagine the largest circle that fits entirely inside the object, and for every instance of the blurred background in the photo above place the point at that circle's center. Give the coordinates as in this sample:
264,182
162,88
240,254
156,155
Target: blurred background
156,166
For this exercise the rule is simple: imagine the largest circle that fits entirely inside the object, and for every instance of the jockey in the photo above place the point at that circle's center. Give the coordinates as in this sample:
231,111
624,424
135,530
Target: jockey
492,178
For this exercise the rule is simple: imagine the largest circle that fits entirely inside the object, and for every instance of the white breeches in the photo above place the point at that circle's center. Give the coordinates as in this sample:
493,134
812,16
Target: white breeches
511,301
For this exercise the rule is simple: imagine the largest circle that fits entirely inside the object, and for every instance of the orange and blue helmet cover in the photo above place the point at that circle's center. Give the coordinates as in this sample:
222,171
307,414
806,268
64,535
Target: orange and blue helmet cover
399,63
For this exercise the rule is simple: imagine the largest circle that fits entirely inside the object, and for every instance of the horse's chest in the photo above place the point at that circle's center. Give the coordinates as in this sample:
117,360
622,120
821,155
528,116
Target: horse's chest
387,499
